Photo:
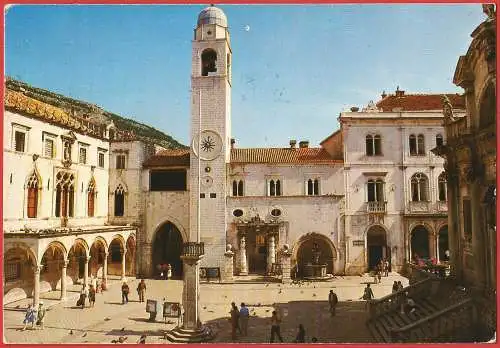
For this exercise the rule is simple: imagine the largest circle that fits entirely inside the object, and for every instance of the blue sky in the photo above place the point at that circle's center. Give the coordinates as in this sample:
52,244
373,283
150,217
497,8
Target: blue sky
294,70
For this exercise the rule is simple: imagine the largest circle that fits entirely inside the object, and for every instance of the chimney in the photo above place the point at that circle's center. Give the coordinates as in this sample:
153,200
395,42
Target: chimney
232,143
304,144
383,94
399,93
293,142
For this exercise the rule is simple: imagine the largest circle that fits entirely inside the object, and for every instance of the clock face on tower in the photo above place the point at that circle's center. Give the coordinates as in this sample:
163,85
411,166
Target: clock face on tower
210,145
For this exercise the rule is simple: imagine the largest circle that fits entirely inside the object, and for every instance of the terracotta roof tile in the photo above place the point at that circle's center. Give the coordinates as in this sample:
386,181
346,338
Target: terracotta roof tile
419,102
169,157
282,155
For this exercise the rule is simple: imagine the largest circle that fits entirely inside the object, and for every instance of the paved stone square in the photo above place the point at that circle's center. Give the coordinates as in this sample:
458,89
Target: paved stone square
109,320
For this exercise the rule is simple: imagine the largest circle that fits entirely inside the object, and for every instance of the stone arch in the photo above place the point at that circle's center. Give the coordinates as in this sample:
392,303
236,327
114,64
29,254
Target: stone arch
166,248
208,61
116,254
173,220
486,104
77,257
375,237
98,250
53,259
419,241
302,251
18,262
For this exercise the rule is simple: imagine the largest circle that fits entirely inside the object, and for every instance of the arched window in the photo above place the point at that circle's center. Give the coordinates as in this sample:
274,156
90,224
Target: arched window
313,187
208,62
65,194
91,198
442,187
274,187
487,111
420,144
373,145
237,188
439,140
375,190
419,185
32,187
119,201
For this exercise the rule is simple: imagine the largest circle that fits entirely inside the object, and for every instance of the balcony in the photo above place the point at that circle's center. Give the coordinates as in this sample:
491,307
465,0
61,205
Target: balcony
420,207
192,249
376,207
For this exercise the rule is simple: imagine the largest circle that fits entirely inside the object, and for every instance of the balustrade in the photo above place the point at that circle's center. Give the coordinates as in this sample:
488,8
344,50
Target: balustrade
193,249
393,301
376,207
447,325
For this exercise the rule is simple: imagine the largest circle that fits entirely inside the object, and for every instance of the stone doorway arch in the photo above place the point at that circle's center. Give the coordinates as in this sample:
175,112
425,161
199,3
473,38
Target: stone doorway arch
167,249
419,242
304,253
376,246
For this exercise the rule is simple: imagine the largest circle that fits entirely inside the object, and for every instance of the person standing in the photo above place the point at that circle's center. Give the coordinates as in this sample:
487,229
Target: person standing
386,268
29,317
92,295
367,295
244,316
275,327
125,291
40,317
83,295
332,300
235,315
400,285
141,290
169,271
301,335
395,287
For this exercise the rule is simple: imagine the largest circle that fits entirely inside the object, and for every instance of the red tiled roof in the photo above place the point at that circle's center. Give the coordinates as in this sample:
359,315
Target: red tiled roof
419,102
169,157
282,155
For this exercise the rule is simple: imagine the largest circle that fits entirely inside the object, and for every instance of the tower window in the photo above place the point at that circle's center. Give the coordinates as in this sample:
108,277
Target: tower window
120,162
119,201
237,188
208,62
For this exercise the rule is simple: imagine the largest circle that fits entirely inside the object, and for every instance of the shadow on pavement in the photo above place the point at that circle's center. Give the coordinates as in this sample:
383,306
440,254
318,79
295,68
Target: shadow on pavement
347,326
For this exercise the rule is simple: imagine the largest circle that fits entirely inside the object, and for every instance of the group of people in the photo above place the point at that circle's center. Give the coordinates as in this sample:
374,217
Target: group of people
239,322
34,316
164,271
397,286
381,269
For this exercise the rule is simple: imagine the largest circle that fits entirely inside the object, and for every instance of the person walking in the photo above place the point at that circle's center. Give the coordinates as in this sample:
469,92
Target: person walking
301,335
40,317
141,290
235,315
92,292
275,327
83,296
169,271
244,316
125,291
332,300
386,268
400,285
367,295
164,309
29,317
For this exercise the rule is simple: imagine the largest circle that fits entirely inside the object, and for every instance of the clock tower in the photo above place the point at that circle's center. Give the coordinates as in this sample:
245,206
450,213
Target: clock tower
210,133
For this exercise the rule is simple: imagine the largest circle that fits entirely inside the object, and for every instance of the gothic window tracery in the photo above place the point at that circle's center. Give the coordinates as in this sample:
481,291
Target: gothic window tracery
119,200
419,188
32,186
91,198
65,194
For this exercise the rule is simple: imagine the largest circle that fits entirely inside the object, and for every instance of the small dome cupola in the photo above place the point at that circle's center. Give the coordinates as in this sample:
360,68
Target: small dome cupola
212,15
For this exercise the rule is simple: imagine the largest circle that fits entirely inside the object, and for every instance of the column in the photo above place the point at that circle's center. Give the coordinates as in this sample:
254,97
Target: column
124,277
105,270
63,279
243,256
432,245
86,272
191,292
271,253
36,291
227,275
286,266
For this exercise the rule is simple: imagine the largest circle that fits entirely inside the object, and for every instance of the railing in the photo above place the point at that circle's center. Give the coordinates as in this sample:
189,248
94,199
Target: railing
419,207
393,301
447,325
376,207
193,249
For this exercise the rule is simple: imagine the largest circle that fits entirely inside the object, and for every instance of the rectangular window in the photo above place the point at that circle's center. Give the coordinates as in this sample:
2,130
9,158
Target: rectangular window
202,195
49,148
213,195
100,159
12,270
369,146
167,180
120,162
82,157
19,141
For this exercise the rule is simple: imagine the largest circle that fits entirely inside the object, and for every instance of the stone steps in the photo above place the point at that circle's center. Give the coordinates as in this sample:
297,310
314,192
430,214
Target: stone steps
180,335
